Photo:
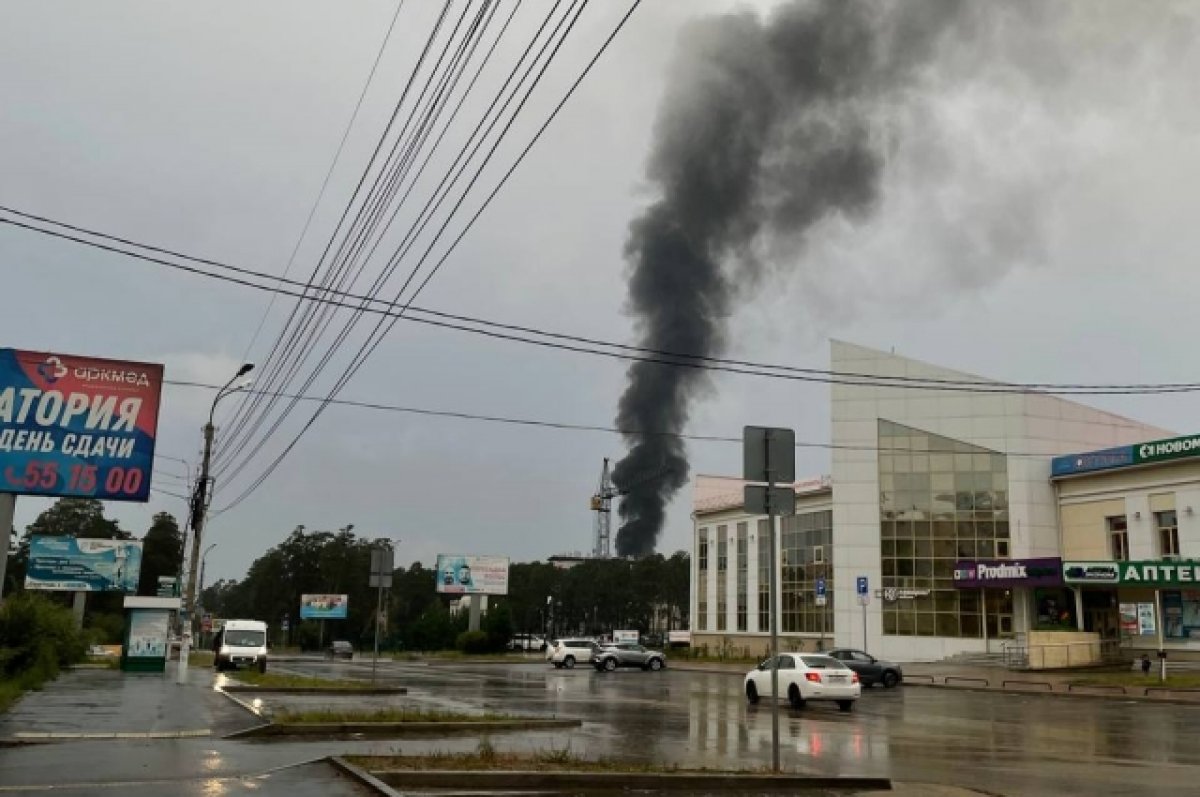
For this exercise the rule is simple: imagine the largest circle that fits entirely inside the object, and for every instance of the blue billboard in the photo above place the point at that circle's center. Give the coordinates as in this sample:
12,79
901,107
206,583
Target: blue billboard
1092,461
324,607
77,426
72,564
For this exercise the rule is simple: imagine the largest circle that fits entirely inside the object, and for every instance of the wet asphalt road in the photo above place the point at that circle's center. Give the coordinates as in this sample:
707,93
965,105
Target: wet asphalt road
996,743
1007,744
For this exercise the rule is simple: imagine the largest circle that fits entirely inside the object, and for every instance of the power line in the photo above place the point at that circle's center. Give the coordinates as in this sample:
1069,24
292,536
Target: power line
368,347
578,427
775,371
329,173
850,377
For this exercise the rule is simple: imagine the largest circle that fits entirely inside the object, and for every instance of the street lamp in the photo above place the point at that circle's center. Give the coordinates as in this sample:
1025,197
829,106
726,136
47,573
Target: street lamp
199,510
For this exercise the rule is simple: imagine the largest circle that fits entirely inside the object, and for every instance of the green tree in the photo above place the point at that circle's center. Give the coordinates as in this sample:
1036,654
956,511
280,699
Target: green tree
77,517
162,552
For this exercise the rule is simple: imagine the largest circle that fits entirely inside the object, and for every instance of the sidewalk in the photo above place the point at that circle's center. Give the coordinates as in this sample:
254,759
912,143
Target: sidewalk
94,704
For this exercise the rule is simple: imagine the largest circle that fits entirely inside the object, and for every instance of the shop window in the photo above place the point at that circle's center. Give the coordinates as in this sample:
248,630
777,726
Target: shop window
1168,534
1118,536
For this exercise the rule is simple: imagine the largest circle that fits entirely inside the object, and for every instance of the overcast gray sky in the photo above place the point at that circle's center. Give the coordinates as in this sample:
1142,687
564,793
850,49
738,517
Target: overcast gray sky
1036,224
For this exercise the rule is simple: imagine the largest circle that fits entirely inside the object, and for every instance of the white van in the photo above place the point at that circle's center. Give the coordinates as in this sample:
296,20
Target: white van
241,643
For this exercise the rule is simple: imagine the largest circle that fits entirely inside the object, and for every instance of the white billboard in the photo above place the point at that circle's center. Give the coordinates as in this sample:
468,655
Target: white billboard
472,575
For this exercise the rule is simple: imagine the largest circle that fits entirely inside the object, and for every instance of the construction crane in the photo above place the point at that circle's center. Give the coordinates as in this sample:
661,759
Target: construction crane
602,506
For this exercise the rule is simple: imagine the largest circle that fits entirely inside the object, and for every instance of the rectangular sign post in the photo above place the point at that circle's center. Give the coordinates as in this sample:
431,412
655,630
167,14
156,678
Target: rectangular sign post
769,455
381,577
862,585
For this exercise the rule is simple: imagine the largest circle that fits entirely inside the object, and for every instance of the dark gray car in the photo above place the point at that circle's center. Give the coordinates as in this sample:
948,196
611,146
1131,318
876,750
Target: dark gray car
870,670
628,654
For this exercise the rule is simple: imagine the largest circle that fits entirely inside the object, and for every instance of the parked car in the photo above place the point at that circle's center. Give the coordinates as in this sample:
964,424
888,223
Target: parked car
339,649
566,652
527,642
804,677
870,670
627,654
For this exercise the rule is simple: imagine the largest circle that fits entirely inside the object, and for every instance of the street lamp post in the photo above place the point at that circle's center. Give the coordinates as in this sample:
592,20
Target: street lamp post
199,510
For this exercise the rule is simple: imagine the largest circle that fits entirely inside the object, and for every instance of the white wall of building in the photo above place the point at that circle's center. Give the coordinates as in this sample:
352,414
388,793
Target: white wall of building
1029,428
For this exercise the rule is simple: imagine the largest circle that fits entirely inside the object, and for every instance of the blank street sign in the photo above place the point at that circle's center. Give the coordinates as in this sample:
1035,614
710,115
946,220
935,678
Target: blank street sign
762,444
381,567
779,501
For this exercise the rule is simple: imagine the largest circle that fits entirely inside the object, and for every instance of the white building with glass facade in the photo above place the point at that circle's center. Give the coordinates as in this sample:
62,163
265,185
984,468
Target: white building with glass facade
930,477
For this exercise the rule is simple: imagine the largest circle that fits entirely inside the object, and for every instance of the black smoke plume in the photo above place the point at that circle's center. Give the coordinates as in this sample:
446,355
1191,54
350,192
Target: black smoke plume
765,130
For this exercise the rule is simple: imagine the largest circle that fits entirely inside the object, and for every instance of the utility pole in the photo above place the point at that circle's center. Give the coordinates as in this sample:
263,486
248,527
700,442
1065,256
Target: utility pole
199,510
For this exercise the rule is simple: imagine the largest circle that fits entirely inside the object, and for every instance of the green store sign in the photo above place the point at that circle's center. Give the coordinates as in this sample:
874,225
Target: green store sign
1160,450
1153,573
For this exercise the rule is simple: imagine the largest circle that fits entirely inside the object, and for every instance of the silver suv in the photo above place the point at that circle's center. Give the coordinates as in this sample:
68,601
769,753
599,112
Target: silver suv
628,654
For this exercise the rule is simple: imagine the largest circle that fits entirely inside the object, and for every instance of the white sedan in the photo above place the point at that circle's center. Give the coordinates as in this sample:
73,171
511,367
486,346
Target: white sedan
804,677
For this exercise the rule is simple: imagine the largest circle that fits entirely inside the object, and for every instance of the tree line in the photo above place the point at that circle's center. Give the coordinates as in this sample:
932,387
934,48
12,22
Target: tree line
593,597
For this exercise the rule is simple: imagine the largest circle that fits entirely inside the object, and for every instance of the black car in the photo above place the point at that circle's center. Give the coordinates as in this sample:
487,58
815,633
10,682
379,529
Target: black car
870,670
340,649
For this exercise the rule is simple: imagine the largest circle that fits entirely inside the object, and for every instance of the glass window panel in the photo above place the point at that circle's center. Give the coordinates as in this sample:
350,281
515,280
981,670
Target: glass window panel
923,567
966,549
925,625
999,481
944,549
1002,549
922,501
940,464
887,547
964,500
905,623
943,568
947,625
904,529
999,464
962,464
920,463
943,502
889,622
942,482
923,549
943,529
982,482
904,548
939,443
901,462
923,603
889,567
968,602
904,567
981,462
969,623
984,549
945,601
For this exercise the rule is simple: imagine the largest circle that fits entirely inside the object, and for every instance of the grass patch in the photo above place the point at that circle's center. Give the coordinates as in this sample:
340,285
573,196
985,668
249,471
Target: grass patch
487,758
10,692
1178,681
384,715
107,662
458,655
200,658
275,679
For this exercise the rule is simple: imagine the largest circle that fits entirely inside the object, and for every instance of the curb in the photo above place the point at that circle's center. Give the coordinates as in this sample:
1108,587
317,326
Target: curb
313,690
1055,693
398,729
364,778
556,782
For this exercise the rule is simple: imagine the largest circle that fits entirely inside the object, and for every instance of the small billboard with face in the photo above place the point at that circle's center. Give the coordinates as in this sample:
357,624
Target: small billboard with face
472,575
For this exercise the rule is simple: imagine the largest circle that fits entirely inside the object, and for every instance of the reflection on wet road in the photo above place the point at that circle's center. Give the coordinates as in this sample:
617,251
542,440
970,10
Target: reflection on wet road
1001,743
